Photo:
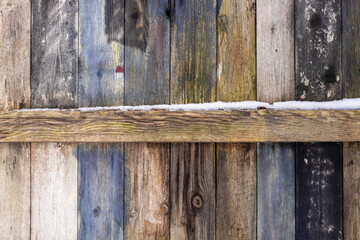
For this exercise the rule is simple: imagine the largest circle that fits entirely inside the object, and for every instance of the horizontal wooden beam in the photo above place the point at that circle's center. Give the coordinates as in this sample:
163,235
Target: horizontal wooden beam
181,126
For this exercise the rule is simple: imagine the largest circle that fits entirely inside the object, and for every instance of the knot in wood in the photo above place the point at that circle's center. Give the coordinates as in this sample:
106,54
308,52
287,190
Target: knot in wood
133,214
197,201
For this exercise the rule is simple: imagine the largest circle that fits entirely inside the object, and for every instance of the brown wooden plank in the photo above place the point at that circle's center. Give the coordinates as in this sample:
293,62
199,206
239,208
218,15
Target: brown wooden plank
193,80
15,24
236,81
147,56
275,82
351,151
195,126
54,81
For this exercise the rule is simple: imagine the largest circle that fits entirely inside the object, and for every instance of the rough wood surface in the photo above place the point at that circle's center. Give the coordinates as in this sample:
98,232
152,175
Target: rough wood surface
236,191
15,24
351,75
192,191
351,190
54,83
101,83
193,80
147,56
275,82
236,81
53,191
318,78
201,126
101,191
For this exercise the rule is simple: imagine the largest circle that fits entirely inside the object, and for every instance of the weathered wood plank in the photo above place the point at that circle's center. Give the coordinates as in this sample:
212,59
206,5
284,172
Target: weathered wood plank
54,84
275,82
101,83
318,78
201,126
53,193
15,24
101,191
192,191
193,80
147,56
236,81
236,191
351,75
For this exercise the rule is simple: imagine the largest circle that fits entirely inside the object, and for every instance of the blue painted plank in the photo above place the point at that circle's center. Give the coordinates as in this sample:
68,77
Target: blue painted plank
101,83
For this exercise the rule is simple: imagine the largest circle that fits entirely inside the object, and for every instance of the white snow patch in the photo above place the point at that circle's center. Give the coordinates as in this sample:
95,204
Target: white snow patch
344,104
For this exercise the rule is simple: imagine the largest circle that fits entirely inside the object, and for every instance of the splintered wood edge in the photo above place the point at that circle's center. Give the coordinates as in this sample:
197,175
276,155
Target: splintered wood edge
181,126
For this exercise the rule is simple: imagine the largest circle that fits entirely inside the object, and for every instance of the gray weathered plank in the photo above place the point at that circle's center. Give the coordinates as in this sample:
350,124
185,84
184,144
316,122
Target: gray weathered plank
193,80
101,83
318,78
275,82
236,81
351,75
15,24
147,54
54,84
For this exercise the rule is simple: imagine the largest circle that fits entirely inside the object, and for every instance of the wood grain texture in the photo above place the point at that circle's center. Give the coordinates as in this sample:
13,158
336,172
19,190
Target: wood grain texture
236,81
192,191
101,83
193,51
236,65
54,84
54,64
275,82
53,194
101,191
147,56
351,74
220,126
318,78
193,80
15,24
236,191
147,191
351,190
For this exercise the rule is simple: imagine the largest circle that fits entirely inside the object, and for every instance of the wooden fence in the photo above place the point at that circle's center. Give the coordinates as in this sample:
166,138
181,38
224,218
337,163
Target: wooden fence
85,53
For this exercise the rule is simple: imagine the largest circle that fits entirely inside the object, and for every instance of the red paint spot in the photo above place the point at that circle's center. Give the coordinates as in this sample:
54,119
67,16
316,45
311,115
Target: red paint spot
119,69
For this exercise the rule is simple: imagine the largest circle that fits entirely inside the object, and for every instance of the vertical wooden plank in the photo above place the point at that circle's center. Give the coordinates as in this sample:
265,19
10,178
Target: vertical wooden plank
351,75
318,78
101,187
236,81
147,53
15,94
53,194
54,84
101,83
275,82
193,79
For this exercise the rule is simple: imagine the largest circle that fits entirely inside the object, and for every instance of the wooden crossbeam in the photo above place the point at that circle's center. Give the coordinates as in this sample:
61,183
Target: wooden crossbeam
181,126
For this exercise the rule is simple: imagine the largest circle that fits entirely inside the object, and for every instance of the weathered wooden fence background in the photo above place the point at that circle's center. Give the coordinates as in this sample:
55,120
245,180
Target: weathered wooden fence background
82,53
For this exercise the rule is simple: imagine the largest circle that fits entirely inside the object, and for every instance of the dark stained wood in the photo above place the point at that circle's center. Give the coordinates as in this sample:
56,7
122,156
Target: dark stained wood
192,191
15,18
351,75
54,83
193,80
275,82
196,126
236,81
147,61
101,83
318,78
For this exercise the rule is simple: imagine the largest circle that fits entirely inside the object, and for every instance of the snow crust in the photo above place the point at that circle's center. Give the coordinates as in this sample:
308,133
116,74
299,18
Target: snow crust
344,104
